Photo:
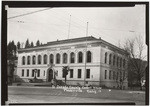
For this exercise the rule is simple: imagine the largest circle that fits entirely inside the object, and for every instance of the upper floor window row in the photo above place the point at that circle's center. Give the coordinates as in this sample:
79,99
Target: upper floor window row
114,60
58,58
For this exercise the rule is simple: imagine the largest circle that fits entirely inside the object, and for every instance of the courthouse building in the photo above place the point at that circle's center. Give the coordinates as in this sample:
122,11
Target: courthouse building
91,61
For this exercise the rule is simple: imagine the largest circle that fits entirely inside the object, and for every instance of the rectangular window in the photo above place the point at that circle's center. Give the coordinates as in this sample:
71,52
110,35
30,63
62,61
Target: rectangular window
117,61
87,73
38,73
79,73
105,74
22,72
117,76
120,75
63,74
114,60
32,73
113,75
124,75
109,74
27,72
71,73
124,63
44,73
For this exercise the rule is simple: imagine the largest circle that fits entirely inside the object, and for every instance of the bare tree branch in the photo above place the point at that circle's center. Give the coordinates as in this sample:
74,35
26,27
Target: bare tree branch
135,49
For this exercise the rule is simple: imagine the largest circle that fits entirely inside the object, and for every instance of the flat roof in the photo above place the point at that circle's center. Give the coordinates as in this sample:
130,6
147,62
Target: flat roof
74,40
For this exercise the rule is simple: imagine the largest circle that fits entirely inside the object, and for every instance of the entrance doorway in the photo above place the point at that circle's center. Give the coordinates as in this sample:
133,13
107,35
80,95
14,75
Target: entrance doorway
50,75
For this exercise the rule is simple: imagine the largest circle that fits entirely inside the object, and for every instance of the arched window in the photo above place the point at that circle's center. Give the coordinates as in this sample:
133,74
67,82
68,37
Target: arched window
88,56
33,59
57,58
23,60
110,59
120,62
106,57
28,60
64,58
51,58
39,59
72,57
45,59
80,57
114,60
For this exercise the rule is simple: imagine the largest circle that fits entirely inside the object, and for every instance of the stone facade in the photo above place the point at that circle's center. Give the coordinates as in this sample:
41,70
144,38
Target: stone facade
93,60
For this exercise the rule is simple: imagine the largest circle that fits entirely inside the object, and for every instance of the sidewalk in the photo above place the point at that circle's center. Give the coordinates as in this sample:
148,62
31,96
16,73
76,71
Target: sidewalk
33,92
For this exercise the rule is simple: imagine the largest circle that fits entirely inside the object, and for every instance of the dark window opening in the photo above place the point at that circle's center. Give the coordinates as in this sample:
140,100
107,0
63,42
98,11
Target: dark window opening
63,74
51,59
33,60
79,73
71,73
23,60
72,57
105,74
38,73
120,62
114,60
64,58
44,73
87,73
39,59
80,57
45,59
22,72
88,56
113,75
109,74
117,61
110,59
27,72
117,76
32,73
106,57
124,62
57,58
28,60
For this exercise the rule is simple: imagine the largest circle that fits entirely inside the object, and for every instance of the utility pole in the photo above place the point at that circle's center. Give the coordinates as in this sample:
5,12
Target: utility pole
85,54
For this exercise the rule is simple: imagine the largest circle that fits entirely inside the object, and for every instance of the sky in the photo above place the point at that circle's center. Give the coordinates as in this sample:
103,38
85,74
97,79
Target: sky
112,24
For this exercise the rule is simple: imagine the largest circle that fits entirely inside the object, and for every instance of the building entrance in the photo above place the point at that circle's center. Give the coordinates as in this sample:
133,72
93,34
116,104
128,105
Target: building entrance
50,75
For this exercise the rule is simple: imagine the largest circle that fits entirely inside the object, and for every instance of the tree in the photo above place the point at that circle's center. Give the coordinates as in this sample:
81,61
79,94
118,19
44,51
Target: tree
11,50
18,45
11,57
32,45
27,44
135,49
135,75
38,43
65,72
